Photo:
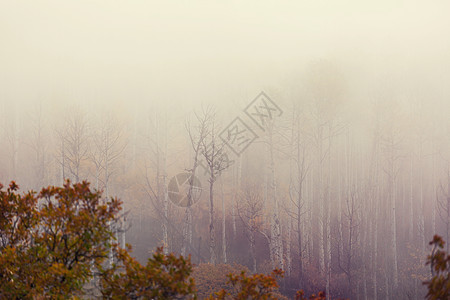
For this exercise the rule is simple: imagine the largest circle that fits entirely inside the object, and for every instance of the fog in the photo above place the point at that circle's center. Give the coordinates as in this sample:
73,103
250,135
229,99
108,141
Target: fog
343,187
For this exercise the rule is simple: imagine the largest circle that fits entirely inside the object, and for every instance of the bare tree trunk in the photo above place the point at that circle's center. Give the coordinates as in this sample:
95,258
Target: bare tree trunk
375,247
394,236
340,218
187,230
253,250
288,248
63,163
237,185
320,201
161,175
310,219
224,238
375,208
166,217
421,219
327,208
233,216
124,240
267,195
364,253
276,224
445,211
300,244
411,202
12,135
212,242
386,279
434,189
391,171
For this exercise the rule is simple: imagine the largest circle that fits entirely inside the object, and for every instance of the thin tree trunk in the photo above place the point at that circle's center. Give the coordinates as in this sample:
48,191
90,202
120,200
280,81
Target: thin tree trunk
421,220
300,245
252,248
288,248
321,205
327,208
224,238
187,230
411,202
212,241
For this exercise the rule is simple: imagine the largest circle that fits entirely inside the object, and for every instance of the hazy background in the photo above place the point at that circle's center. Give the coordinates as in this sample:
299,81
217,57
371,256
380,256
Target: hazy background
188,52
364,89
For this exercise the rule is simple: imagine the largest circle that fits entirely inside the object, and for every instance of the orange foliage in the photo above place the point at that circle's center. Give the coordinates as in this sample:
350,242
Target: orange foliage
50,241
256,286
439,261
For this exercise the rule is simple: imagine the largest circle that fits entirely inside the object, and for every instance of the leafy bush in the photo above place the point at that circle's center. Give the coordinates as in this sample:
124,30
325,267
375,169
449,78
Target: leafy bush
50,242
439,261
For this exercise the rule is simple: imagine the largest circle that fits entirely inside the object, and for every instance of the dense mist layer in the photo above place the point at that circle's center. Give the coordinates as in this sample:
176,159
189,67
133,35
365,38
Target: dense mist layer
342,186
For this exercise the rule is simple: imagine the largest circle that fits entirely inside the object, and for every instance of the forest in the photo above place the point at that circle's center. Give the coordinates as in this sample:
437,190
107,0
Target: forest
305,138
338,207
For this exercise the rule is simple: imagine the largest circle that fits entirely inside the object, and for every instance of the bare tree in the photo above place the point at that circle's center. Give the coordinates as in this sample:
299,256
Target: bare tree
298,175
11,127
216,160
250,212
346,263
157,147
197,135
326,88
108,144
39,144
107,147
391,147
272,198
73,142
444,208
224,233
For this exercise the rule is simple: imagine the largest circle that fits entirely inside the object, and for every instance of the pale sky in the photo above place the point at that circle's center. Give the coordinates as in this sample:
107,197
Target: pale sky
209,51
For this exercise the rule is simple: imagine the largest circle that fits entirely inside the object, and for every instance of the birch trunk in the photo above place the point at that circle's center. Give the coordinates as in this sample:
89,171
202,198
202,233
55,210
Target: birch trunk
212,241
288,249
224,238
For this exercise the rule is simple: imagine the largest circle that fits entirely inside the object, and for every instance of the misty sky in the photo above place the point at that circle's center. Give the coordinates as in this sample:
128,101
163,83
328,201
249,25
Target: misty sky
191,52
106,90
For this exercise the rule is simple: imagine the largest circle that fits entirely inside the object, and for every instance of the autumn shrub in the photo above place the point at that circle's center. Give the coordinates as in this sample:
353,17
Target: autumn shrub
51,241
256,286
301,296
439,262
163,277
210,279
